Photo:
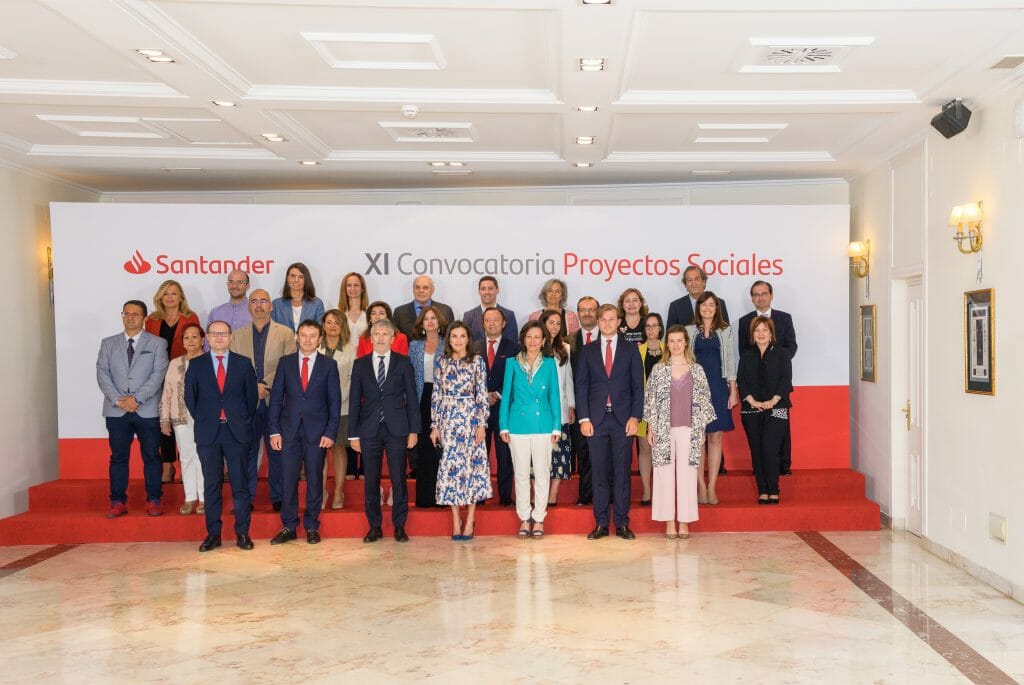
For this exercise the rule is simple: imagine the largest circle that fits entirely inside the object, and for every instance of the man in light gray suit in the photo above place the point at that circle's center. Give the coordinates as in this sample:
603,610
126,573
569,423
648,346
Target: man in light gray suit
130,372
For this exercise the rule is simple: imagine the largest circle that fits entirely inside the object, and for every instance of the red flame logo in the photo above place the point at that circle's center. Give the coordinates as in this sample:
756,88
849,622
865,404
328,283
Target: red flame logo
137,264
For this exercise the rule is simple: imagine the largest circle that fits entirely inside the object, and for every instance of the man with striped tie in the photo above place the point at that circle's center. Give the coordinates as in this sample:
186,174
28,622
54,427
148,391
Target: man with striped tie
384,416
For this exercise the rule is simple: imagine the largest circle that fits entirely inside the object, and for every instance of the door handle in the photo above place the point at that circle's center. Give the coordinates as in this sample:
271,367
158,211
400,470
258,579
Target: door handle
906,411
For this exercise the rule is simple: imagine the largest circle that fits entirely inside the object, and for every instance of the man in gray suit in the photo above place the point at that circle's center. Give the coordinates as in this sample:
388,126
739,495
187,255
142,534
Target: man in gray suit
487,286
130,372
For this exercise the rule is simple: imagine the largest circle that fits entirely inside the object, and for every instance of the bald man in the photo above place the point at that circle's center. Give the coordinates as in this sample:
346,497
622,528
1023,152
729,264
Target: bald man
236,310
422,296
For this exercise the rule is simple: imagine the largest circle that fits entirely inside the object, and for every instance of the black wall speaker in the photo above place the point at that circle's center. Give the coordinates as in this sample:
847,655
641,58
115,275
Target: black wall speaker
952,119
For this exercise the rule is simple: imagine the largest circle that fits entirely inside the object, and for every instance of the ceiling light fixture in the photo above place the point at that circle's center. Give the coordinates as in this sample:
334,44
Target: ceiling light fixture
595,2
710,172
585,140
147,52
309,162
273,137
155,56
583,165
586,108
447,164
592,63
224,103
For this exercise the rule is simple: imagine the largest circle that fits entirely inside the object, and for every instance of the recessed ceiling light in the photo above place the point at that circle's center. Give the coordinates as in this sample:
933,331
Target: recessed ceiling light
309,162
592,63
438,163
595,2
742,127
585,140
710,172
586,108
147,52
456,163
161,59
749,139
583,165
224,103
452,172
446,164
273,137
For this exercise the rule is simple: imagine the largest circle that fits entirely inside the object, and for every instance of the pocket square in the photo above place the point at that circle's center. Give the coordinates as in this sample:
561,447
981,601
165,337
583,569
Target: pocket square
145,352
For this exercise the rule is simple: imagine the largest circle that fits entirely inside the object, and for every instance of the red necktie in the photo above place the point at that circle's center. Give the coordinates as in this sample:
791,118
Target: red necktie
589,339
490,353
608,364
305,373
221,377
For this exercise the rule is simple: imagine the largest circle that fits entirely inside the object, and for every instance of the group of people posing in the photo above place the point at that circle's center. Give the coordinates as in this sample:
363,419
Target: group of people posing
570,392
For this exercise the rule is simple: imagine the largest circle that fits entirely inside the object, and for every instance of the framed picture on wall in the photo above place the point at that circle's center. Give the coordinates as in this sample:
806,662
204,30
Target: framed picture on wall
868,343
979,342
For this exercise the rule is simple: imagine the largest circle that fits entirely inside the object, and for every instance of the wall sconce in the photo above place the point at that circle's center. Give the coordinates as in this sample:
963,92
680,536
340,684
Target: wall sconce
967,216
859,252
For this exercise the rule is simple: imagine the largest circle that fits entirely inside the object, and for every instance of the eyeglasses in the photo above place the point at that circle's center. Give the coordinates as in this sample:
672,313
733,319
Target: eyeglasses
260,301
218,334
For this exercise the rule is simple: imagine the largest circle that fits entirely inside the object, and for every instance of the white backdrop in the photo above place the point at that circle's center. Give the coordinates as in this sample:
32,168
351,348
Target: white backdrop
599,251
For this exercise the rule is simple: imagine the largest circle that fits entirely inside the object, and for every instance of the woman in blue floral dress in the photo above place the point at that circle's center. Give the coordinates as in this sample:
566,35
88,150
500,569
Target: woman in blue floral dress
458,413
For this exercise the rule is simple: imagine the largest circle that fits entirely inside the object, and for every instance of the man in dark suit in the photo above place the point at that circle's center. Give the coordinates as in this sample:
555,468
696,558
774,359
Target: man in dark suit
495,348
130,371
762,294
305,409
680,311
422,296
586,307
384,416
221,395
474,318
609,402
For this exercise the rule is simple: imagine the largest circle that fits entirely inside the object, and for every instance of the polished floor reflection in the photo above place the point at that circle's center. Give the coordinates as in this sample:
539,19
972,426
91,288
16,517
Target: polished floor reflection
717,608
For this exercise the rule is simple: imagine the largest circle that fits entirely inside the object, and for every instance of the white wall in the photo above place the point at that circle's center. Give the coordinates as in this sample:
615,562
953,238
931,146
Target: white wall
28,431
973,459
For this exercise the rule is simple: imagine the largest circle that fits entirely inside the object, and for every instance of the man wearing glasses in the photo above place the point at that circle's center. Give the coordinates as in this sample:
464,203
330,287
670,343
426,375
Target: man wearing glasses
130,372
220,393
236,310
264,342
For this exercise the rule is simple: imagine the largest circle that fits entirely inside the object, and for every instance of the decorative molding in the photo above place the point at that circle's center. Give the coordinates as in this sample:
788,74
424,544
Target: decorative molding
477,96
150,152
683,157
50,178
767,98
322,43
497,157
16,144
123,89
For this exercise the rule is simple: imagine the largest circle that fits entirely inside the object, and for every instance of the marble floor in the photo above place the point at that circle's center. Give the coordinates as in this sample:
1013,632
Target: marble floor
717,608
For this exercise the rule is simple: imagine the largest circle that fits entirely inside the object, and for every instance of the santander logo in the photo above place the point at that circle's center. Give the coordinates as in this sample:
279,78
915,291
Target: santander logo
137,264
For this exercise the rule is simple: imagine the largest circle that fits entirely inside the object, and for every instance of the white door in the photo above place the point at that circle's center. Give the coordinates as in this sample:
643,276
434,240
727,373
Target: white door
912,413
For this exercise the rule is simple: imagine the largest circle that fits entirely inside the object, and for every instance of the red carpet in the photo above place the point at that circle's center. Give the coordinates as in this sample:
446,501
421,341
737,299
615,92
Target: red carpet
71,511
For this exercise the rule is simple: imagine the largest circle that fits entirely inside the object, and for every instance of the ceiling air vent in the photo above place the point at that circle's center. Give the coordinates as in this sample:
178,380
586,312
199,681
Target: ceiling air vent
430,132
800,56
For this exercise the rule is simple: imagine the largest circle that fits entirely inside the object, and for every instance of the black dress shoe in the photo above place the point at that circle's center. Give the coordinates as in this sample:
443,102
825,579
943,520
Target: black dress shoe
313,537
721,470
506,503
374,534
625,533
598,533
276,506
785,472
283,536
211,542
645,503
243,542
400,535
583,502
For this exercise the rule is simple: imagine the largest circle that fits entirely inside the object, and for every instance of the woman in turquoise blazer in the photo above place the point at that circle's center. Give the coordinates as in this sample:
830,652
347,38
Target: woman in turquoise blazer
530,421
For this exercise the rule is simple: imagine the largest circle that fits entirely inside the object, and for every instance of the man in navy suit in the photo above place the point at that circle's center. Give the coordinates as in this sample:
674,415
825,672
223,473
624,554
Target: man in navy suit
384,416
487,286
762,294
221,396
586,307
609,402
680,311
130,371
305,409
495,348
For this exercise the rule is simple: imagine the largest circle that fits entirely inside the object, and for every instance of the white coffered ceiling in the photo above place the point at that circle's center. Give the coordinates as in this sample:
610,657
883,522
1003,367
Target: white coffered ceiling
725,89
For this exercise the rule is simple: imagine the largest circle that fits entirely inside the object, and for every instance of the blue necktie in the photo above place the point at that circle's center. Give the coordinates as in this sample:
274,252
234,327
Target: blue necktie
131,350
380,382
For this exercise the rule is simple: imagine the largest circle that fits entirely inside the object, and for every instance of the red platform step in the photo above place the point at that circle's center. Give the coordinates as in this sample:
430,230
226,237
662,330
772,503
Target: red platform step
71,511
